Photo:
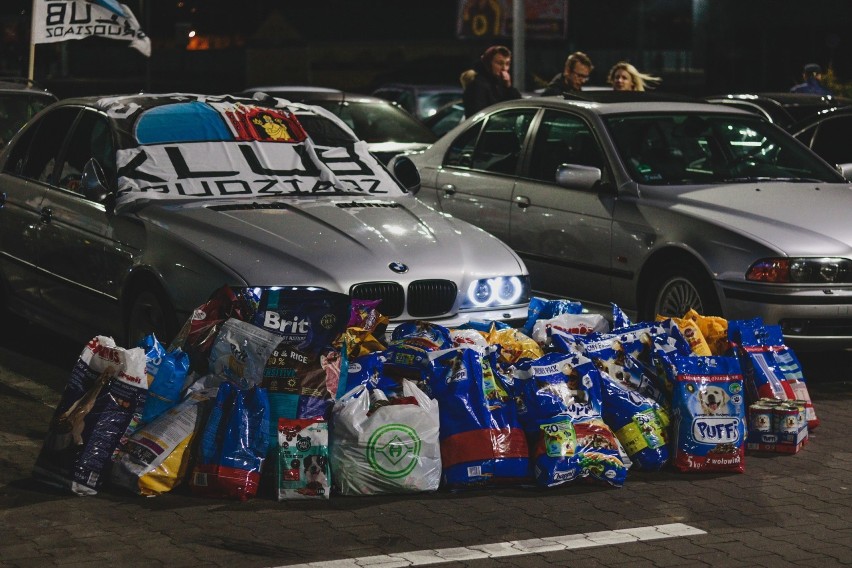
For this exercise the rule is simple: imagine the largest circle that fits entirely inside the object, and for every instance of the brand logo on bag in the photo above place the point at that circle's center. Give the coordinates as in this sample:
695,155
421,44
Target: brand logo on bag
394,450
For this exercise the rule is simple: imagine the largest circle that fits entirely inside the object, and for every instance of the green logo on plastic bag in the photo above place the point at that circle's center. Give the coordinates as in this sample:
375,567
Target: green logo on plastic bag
394,450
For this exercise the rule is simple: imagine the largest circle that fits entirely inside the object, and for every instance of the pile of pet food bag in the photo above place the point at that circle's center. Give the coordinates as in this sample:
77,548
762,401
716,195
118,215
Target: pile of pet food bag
299,393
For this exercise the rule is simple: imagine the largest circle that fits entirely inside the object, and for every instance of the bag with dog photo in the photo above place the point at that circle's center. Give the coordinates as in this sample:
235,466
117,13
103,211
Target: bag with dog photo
708,415
303,461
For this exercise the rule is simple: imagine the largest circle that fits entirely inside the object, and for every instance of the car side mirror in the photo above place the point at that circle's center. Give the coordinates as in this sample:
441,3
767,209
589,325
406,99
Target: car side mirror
406,173
845,170
93,183
574,176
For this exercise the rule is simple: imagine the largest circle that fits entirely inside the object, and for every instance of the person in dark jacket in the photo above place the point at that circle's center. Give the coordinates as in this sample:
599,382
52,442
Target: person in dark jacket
578,67
812,73
492,83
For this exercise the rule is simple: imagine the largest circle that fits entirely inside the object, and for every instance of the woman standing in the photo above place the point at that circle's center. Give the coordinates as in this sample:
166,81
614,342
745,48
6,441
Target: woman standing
625,77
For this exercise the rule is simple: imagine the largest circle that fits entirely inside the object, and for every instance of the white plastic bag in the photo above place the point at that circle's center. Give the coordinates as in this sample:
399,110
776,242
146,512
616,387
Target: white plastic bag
392,447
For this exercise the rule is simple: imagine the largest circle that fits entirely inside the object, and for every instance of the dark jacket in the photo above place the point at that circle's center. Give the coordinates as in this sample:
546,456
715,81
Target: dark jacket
485,90
558,86
812,86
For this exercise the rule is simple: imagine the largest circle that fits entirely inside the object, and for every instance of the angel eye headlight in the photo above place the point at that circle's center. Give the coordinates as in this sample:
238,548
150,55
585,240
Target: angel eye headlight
801,271
497,291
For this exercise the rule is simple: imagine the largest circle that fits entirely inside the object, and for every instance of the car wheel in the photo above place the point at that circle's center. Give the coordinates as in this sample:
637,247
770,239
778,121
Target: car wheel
675,291
151,312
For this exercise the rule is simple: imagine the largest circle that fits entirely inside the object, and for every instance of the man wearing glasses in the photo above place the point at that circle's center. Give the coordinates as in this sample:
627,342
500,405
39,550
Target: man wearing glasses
578,67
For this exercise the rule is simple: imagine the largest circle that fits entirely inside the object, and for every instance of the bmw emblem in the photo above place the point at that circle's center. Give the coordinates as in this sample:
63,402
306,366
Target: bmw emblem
398,267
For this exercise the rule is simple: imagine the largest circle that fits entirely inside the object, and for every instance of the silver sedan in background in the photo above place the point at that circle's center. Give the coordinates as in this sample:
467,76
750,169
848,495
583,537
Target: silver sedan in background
657,206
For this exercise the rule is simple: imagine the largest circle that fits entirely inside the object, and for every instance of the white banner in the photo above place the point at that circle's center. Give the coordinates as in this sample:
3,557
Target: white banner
212,170
64,20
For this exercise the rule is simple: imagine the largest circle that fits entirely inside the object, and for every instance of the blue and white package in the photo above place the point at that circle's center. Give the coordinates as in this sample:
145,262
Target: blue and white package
708,415
571,441
166,376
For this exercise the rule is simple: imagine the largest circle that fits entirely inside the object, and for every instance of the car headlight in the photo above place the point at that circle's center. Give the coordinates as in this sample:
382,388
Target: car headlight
801,271
497,291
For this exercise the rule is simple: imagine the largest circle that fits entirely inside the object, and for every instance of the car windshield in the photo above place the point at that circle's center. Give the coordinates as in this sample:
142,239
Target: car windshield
16,109
687,149
373,122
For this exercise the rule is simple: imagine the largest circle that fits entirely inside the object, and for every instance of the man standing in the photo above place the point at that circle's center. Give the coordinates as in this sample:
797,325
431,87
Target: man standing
811,73
578,67
492,83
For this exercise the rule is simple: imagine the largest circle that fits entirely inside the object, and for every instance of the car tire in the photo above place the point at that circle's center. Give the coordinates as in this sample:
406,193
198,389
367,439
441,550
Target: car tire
150,311
677,290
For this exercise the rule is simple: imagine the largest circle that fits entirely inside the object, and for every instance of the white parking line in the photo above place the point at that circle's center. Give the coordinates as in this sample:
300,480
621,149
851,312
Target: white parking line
511,548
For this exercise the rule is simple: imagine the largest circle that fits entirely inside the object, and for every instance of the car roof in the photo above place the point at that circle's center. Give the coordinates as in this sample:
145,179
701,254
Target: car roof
19,84
295,94
435,87
784,98
606,103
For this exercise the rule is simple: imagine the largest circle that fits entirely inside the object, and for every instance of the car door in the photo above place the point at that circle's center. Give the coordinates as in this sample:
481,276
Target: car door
80,250
831,140
480,169
563,234
28,165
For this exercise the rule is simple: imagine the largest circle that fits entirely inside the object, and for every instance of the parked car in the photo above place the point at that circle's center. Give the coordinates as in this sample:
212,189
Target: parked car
385,126
829,134
784,109
445,118
658,207
20,100
121,215
420,100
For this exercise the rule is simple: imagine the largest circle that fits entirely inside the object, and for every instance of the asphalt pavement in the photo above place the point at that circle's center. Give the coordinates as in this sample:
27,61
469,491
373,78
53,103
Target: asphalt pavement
784,511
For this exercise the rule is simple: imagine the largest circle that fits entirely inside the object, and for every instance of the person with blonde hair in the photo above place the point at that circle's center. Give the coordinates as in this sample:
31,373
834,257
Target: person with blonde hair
625,77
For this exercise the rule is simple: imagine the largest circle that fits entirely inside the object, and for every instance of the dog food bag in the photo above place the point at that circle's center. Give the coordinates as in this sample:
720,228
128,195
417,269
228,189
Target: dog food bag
201,329
619,318
167,372
385,444
104,395
541,308
308,320
714,329
693,335
770,368
241,351
482,442
469,338
233,445
156,458
410,346
514,345
575,324
570,440
303,459
640,423
708,415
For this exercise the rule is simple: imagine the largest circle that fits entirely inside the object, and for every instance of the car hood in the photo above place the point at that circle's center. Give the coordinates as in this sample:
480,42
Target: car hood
796,219
384,151
335,242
